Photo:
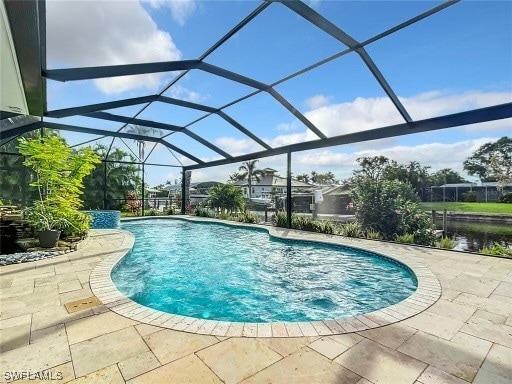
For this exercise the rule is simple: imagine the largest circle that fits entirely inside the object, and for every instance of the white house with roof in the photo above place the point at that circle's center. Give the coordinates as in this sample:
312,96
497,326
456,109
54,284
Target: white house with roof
272,184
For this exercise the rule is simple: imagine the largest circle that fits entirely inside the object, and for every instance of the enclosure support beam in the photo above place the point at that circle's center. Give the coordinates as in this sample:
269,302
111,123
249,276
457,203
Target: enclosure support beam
289,189
143,190
104,185
183,190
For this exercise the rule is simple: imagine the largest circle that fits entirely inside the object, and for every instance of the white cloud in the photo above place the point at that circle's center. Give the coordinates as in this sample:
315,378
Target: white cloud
317,101
179,92
86,33
181,10
369,113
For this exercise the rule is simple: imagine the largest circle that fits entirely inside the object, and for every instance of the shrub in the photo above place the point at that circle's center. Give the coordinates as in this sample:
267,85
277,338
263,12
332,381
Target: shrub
496,249
226,197
373,235
469,197
391,208
407,238
506,198
225,216
152,212
446,243
79,224
280,219
171,211
248,217
350,229
203,212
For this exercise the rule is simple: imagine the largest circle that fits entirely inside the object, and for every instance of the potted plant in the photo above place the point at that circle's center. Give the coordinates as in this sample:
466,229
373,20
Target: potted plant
47,221
59,171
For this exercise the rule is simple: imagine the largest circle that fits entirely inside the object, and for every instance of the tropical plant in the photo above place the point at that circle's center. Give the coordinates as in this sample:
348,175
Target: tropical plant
496,249
248,217
250,173
280,219
121,177
203,212
373,235
59,180
226,197
446,243
406,238
143,131
350,229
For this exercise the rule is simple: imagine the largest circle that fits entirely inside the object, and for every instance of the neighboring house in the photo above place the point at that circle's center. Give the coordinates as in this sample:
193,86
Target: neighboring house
271,185
198,191
485,192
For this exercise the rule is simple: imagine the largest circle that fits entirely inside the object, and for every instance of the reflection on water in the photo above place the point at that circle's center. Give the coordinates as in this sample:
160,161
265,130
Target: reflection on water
473,235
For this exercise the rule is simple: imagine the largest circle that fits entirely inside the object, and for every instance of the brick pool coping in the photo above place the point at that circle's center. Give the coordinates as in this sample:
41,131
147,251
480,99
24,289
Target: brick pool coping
426,294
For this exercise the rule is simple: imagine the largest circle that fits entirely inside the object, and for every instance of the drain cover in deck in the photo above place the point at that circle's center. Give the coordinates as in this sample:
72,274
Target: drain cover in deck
80,305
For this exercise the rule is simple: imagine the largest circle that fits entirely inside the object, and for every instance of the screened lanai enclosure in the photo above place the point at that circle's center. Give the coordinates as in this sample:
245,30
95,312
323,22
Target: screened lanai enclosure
254,76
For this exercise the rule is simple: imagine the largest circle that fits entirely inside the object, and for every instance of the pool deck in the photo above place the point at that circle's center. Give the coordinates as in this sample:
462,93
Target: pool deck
466,336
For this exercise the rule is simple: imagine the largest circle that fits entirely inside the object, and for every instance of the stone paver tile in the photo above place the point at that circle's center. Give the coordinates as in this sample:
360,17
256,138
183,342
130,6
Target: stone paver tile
35,357
168,345
83,276
287,346
489,316
304,367
100,309
108,375
380,364
68,286
56,315
17,290
435,324
75,295
362,380
497,367
54,281
43,334
146,329
328,347
509,321
21,305
484,329
100,352
14,321
349,339
247,355
14,337
189,369
60,374
449,294
138,365
504,289
490,304
453,310
391,336
90,327
474,285
432,375
460,357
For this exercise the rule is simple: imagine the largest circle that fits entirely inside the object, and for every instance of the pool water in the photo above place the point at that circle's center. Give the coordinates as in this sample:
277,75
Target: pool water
219,272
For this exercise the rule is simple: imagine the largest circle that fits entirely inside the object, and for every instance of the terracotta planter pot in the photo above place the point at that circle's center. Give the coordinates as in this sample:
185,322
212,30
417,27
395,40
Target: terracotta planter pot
48,239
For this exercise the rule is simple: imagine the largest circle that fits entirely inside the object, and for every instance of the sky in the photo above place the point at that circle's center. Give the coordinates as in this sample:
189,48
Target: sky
456,60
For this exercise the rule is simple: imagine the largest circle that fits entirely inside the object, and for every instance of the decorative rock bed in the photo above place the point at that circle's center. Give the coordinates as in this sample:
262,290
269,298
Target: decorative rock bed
33,254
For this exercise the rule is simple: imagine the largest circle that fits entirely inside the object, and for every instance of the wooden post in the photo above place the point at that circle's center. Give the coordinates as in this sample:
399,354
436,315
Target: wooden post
433,217
445,222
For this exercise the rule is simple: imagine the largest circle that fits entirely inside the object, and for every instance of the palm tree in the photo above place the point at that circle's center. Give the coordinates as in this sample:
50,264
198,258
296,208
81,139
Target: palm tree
143,131
250,172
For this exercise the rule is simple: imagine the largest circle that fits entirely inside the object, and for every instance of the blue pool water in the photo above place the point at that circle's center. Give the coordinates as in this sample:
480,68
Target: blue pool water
218,272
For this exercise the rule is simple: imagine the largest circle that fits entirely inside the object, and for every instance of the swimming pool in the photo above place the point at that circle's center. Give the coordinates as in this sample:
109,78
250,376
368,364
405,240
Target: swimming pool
220,272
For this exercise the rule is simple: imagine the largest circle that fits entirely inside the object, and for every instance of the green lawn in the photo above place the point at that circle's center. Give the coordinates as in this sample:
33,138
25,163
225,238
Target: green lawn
495,208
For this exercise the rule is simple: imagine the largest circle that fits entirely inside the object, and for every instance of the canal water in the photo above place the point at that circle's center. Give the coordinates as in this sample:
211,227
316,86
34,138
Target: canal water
474,235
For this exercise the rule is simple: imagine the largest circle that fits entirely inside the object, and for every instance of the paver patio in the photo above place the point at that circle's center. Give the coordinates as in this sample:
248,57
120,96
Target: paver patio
466,336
